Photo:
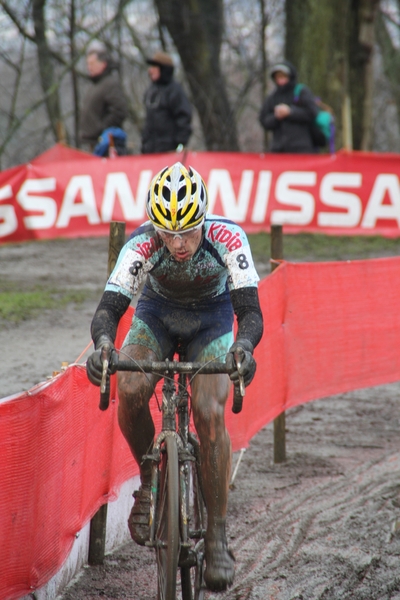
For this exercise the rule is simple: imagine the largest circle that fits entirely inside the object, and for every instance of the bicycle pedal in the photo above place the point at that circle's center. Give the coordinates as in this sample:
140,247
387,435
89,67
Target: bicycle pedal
185,455
187,558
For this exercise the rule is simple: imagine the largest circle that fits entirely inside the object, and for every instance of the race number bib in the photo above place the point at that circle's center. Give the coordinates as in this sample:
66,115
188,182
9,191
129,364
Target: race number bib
130,272
241,268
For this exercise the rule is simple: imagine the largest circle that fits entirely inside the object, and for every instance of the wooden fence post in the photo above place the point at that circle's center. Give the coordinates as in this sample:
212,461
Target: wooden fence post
97,537
279,422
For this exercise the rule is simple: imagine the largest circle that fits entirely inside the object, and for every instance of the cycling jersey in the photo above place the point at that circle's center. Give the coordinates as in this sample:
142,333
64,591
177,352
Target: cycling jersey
189,302
221,264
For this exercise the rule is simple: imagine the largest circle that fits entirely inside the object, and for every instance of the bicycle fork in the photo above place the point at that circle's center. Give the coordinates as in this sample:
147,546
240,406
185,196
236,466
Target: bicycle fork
169,403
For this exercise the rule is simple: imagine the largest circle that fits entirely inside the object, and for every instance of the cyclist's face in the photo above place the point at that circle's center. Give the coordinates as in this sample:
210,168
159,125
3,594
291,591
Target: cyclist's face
182,246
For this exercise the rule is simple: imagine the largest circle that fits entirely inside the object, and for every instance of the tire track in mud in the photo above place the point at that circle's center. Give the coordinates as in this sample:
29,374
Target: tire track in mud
311,527
322,526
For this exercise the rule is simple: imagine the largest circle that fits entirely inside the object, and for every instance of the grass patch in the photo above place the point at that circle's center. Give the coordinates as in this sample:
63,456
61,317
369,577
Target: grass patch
305,247
17,306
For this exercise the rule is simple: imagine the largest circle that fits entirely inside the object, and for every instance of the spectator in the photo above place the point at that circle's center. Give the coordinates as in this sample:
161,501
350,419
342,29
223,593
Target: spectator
104,107
168,111
289,118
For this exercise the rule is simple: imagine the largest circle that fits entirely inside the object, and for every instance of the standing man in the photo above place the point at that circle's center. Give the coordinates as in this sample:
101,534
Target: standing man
168,111
199,272
289,118
104,107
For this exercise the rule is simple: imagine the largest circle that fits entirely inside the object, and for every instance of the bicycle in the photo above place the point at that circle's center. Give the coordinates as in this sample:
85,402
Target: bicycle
177,508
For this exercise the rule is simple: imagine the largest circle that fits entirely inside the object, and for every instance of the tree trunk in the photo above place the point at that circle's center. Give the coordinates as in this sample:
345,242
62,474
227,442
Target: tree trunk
331,43
196,28
47,77
391,60
74,75
264,63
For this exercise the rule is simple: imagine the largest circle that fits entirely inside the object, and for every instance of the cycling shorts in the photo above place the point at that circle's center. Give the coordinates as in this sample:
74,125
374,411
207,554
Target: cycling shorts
202,331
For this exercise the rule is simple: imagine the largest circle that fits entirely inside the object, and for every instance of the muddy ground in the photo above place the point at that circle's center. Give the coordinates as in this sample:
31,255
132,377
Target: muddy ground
324,525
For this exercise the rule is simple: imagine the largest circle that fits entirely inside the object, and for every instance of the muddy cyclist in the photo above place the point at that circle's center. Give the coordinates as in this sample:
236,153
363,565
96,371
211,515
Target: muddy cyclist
199,273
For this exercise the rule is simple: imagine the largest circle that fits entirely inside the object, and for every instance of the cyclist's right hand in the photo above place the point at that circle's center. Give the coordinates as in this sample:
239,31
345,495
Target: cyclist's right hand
94,364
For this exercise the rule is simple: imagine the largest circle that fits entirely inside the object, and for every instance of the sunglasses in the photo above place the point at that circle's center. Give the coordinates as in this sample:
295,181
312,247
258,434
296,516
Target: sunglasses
184,236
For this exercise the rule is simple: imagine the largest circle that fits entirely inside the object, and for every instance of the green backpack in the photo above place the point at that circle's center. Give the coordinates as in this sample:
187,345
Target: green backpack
324,122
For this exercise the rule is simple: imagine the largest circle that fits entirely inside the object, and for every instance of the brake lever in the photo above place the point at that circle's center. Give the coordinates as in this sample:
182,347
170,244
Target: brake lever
239,354
239,391
105,381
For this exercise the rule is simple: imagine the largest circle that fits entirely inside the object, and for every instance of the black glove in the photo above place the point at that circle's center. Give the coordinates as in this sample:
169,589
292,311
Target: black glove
247,363
94,364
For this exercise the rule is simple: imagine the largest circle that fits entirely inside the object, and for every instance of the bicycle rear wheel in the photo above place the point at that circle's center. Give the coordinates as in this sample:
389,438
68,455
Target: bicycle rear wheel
167,532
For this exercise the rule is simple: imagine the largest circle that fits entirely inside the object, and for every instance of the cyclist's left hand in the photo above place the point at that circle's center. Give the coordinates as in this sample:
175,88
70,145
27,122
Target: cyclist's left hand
248,365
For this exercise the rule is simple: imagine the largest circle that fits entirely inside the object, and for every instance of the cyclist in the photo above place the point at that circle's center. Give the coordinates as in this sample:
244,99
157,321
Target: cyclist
198,273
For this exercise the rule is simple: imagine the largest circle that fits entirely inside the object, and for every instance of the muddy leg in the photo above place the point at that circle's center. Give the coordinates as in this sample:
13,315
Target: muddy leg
136,424
209,397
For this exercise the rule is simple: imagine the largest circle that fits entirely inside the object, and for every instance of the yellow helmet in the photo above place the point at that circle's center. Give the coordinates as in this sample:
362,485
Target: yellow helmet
177,199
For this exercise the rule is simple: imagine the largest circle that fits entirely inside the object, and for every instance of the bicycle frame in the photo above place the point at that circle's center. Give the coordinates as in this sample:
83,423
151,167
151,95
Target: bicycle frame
177,509
175,424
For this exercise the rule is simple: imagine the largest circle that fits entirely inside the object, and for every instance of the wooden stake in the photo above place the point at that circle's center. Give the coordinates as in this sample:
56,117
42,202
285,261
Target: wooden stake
279,422
97,538
115,243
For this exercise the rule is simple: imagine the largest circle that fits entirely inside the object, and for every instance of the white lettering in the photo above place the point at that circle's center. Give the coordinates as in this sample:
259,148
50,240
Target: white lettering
79,185
39,204
375,210
117,185
262,197
285,195
330,196
8,218
219,182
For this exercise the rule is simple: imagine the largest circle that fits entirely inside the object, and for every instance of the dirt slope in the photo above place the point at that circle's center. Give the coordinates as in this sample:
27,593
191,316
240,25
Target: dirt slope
323,526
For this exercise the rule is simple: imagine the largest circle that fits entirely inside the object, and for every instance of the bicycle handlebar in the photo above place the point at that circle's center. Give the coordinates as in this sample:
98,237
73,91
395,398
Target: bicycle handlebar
169,367
172,366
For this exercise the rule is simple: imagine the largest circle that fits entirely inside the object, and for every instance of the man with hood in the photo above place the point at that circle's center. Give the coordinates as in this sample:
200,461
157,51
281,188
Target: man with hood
168,111
104,107
289,118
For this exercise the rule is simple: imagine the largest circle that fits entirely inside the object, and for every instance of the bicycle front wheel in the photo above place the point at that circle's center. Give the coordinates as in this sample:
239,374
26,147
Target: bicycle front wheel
192,577
167,532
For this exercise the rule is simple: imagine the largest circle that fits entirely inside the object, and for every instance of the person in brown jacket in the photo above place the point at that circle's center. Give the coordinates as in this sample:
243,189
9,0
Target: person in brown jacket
104,106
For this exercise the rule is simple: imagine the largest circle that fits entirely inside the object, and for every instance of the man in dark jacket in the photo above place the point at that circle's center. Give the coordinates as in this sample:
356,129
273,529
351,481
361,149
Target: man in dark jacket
289,118
104,107
168,111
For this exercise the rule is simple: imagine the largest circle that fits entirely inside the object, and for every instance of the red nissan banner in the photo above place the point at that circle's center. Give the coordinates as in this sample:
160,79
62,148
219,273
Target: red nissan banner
69,193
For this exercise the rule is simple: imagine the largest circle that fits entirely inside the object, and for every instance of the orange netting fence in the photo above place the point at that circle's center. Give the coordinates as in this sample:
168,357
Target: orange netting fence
329,328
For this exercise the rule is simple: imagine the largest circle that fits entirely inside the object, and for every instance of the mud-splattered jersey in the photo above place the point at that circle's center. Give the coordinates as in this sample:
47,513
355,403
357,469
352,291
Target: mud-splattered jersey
222,262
